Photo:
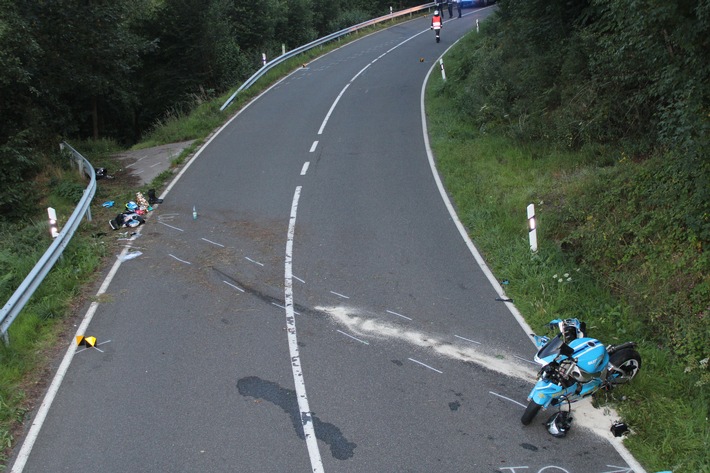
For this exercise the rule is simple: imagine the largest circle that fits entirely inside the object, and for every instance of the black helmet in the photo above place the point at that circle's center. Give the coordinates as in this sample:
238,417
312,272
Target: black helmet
559,424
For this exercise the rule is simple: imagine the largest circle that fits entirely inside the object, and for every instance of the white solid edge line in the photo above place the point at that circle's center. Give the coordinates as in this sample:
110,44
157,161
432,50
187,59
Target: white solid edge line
452,212
202,148
618,446
41,415
32,434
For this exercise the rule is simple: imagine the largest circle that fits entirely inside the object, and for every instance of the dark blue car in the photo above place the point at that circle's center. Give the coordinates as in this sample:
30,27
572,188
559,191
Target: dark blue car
476,3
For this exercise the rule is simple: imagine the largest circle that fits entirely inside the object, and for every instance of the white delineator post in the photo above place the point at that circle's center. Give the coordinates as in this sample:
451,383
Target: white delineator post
532,228
443,72
263,58
477,29
53,228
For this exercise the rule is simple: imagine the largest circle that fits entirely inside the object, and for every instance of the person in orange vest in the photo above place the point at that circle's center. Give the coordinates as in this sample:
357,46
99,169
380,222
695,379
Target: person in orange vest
436,22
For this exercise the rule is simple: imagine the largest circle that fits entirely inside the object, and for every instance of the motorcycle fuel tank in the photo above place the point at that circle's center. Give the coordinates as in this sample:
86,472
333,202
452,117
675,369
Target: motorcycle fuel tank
590,354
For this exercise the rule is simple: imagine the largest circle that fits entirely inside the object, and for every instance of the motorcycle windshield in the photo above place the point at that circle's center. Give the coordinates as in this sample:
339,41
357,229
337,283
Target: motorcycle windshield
552,348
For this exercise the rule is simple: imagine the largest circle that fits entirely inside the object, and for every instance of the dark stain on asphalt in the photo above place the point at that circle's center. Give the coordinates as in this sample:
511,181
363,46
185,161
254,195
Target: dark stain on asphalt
454,406
528,446
253,386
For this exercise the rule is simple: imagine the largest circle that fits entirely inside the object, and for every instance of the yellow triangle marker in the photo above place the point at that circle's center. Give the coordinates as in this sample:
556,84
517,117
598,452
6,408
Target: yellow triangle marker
85,341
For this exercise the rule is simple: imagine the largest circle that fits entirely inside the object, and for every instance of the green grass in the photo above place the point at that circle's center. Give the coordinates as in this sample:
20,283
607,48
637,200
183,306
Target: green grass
491,180
35,334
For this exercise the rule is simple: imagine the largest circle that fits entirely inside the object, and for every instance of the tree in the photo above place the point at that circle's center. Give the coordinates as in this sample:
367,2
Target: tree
298,27
18,62
89,57
198,53
18,96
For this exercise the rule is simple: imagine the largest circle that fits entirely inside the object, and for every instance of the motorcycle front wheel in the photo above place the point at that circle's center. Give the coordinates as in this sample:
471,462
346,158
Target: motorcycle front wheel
530,412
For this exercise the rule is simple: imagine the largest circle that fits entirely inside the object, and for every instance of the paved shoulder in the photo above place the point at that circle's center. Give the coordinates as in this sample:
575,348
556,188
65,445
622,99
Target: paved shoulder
146,164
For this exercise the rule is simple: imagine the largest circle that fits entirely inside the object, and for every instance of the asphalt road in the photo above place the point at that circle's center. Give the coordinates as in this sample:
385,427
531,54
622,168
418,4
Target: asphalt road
321,312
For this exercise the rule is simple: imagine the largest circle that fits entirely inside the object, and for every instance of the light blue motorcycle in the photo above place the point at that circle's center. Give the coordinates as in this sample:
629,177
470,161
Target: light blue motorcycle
575,366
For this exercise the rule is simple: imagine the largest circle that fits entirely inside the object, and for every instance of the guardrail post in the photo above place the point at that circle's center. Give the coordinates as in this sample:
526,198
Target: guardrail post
88,211
79,163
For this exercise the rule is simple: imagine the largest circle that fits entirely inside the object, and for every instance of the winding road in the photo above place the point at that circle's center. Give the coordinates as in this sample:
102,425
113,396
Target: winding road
321,312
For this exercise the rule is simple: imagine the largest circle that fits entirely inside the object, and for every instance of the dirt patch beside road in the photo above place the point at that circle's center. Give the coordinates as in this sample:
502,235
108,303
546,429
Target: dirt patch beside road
146,164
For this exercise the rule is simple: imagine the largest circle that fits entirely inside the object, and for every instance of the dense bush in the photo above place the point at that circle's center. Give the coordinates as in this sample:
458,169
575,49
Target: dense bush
627,222
622,215
627,83
18,166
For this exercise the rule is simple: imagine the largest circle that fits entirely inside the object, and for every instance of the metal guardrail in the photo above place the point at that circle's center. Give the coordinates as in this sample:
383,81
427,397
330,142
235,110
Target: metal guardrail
23,293
295,52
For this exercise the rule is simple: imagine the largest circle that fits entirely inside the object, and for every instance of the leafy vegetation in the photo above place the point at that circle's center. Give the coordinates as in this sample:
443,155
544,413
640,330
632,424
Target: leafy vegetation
567,76
34,335
548,106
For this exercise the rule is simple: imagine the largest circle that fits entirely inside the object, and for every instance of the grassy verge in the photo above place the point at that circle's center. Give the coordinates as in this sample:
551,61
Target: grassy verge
491,180
39,331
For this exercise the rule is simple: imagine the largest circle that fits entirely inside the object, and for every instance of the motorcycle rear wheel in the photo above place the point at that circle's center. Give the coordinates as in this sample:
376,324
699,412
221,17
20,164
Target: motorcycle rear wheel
628,363
530,412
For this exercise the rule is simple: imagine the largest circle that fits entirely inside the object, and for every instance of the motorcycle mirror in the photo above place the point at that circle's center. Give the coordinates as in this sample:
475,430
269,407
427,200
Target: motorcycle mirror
566,350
